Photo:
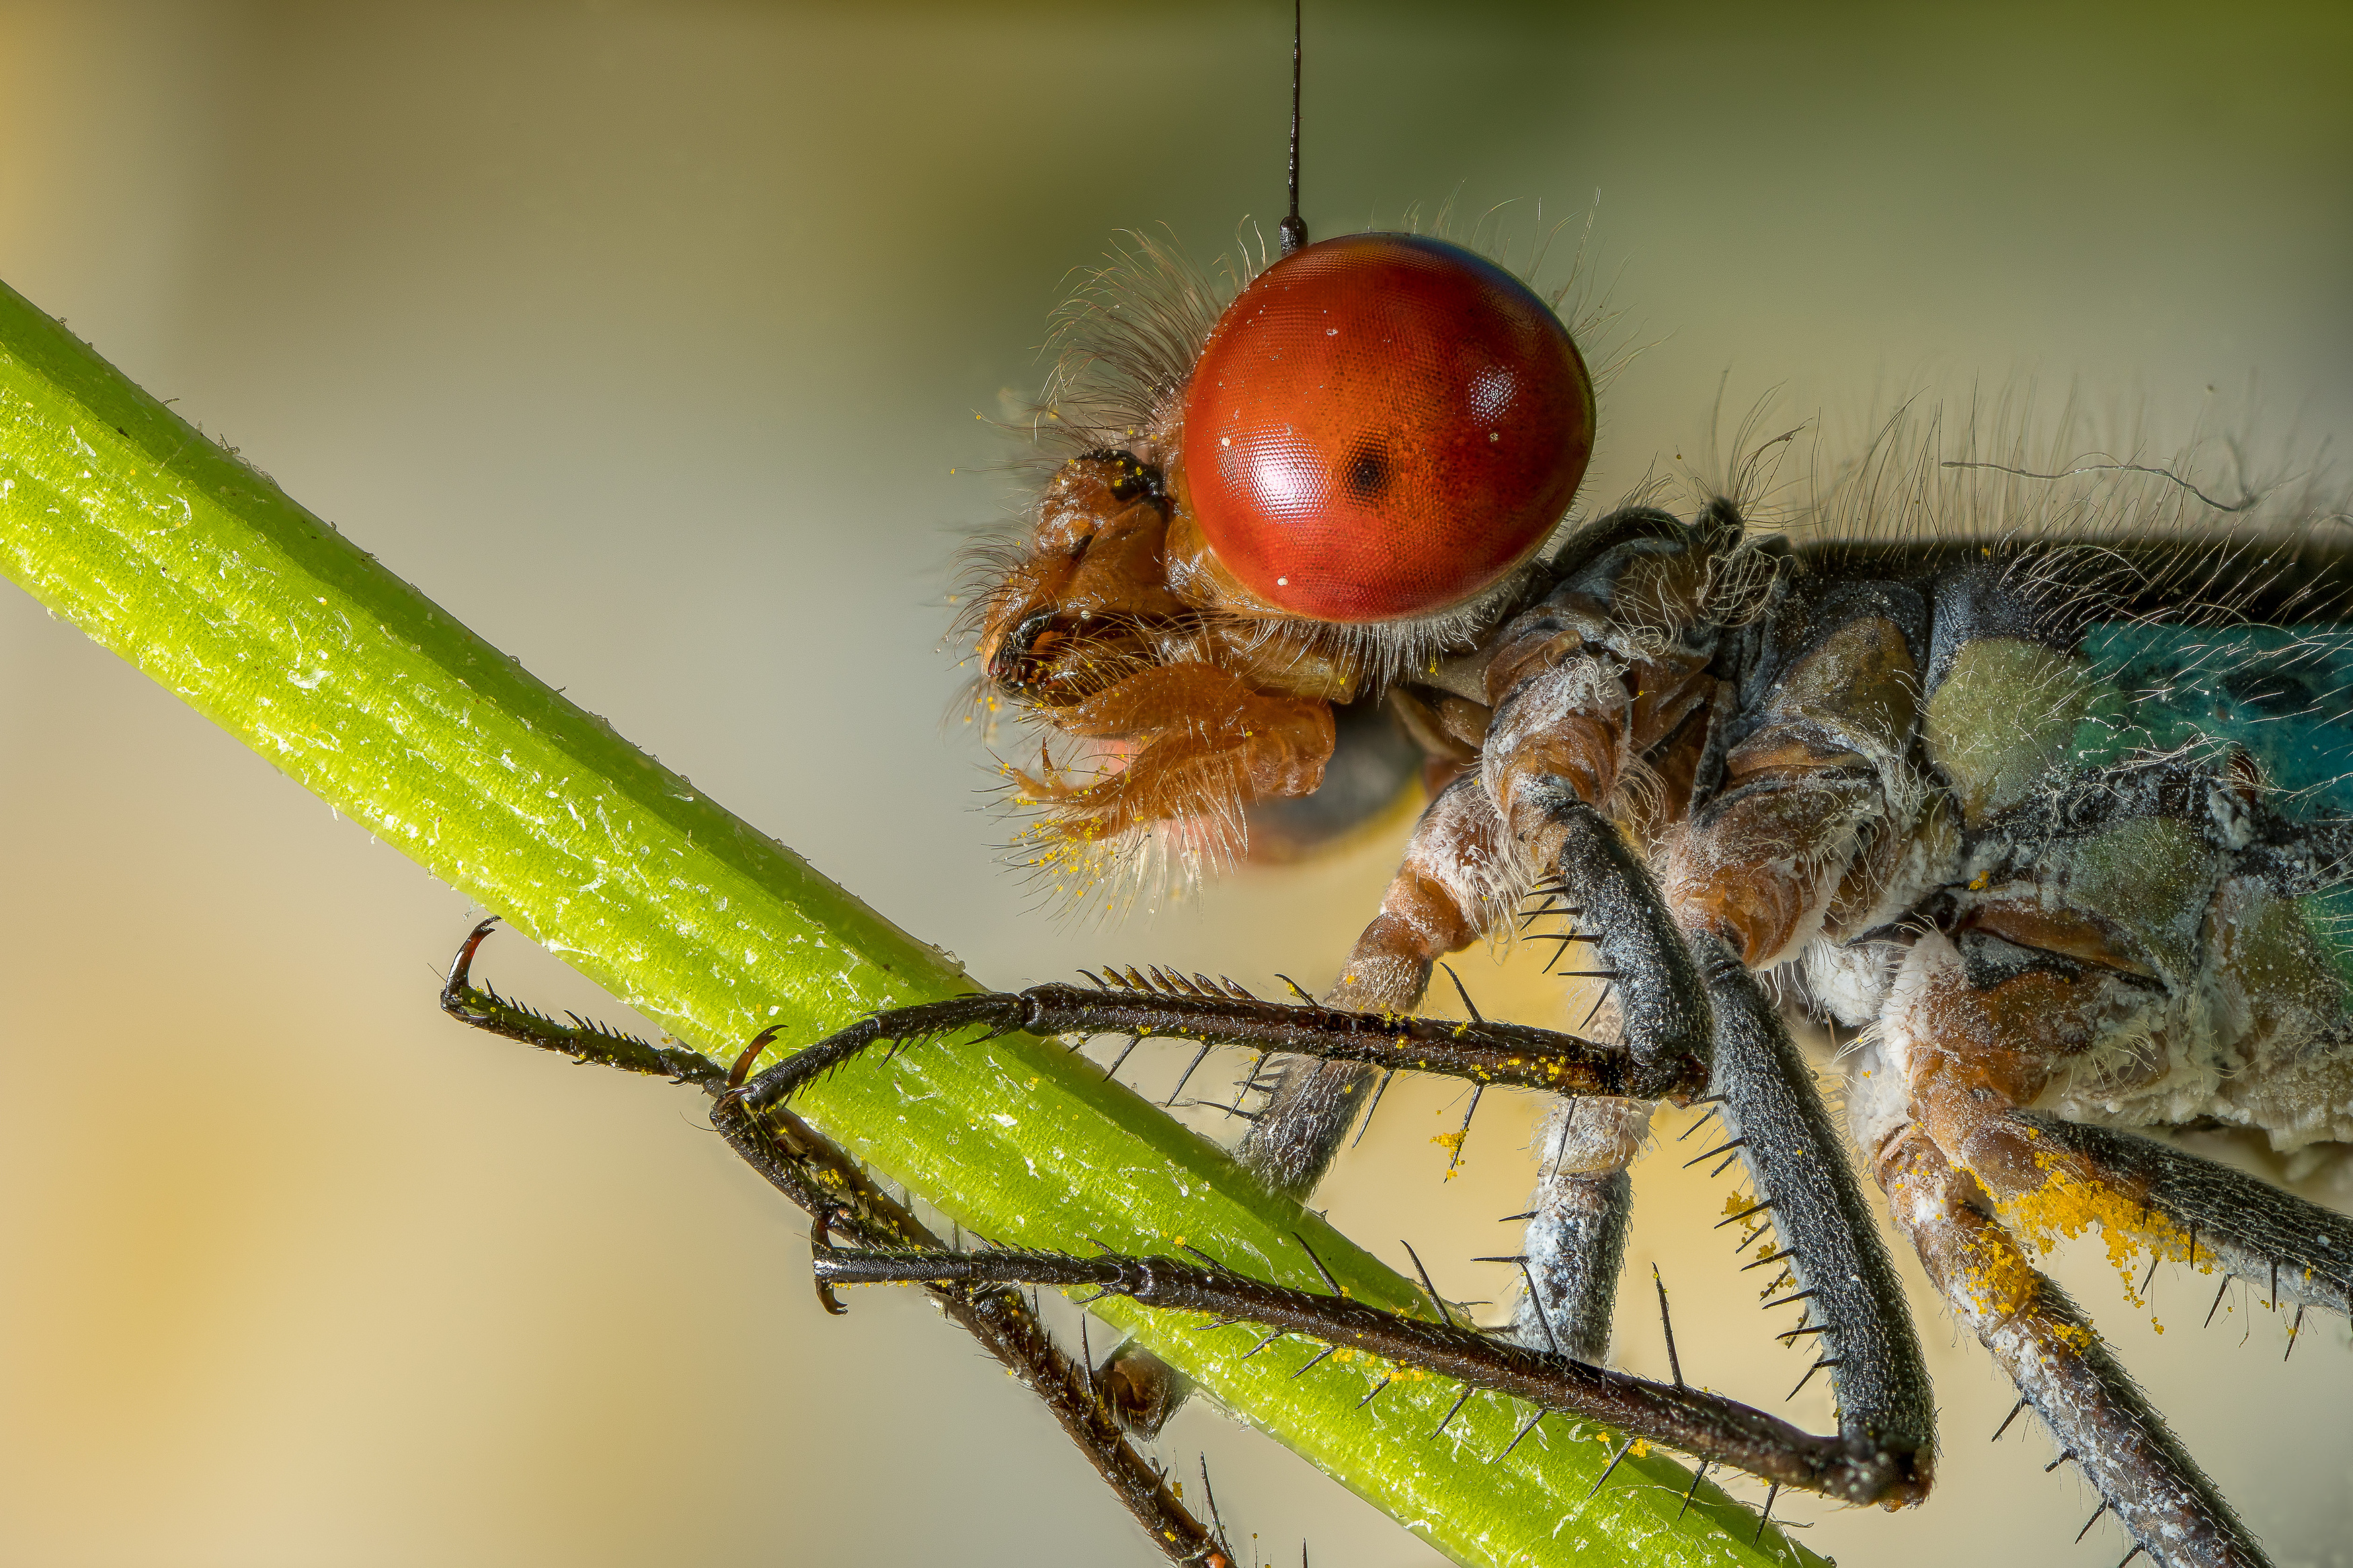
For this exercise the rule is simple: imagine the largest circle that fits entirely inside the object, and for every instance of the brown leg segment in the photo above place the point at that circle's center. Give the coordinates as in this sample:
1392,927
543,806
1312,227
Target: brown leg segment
1443,898
1975,1026
1763,862
2098,1418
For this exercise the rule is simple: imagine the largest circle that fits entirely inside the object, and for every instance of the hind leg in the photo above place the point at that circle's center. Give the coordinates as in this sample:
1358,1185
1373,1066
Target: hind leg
1974,1030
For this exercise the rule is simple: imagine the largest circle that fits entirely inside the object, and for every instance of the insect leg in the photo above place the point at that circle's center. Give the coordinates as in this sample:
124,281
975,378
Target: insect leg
838,1196
1706,1426
1797,1162
2092,1410
1576,1239
813,1173
1436,904
1439,902
2189,1209
582,1039
1483,1052
1969,1024
1778,1123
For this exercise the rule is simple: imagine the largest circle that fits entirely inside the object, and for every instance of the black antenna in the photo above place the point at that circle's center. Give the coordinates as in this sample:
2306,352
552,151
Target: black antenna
1294,233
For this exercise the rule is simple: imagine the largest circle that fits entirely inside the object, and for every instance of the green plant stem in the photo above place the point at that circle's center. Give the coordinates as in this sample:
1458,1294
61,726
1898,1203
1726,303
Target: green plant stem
197,569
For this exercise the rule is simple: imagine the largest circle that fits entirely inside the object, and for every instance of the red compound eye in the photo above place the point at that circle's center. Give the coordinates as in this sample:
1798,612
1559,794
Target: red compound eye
1381,426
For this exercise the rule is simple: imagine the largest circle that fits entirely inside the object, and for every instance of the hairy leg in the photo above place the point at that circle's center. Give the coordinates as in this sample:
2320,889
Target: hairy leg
2094,1414
1706,1426
1971,1028
1576,1223
838,1196
1829,1242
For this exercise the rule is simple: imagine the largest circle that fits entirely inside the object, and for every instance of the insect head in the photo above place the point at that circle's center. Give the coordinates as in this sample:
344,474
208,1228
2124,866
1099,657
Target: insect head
1375,439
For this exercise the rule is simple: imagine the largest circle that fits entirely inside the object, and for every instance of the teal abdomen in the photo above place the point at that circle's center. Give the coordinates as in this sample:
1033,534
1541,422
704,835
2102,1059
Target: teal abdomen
2282,694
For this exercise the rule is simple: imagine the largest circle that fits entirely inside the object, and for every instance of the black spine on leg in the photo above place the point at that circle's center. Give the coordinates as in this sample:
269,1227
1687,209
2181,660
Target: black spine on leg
1796,1161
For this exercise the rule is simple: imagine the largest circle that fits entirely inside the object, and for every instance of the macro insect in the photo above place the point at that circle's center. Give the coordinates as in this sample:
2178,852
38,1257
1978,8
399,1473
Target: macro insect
2029,780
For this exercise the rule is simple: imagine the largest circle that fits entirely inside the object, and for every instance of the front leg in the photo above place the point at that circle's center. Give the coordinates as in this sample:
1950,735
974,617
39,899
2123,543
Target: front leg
1703,1425
1447,892
1164,1007
1675,987
1455,883
1840,1273
838,1196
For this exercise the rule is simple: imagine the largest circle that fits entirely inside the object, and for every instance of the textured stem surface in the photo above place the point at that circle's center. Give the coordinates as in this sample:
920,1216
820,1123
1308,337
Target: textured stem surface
119,516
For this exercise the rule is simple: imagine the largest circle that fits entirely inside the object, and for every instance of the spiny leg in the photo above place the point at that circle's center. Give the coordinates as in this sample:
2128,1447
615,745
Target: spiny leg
1440,901
1703,1425
1173,1008
582,1039
2188,1209
1575,1244
838,1195
1830,1244
1878,1456
1480,1050
1974,1023
1431,907
2093,1411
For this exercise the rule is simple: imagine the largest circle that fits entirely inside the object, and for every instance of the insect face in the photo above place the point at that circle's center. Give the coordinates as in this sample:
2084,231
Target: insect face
1374,438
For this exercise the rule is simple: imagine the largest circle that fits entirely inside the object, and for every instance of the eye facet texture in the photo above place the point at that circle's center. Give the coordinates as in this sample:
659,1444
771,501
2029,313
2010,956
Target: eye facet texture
1382,425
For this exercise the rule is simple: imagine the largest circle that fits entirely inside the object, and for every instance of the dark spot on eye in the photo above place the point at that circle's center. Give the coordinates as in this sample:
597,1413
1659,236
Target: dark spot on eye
1365,471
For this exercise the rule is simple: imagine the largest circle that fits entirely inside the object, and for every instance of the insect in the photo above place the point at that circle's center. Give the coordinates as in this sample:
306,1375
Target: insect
1788,161
2038,804
2048,804
2050,810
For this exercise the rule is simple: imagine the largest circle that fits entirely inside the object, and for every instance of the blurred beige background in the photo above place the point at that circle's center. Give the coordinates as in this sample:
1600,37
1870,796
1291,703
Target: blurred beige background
649,339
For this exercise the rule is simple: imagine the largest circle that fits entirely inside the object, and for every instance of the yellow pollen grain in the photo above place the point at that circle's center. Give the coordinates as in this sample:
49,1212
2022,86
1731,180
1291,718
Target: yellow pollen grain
2001,1284
2067,1205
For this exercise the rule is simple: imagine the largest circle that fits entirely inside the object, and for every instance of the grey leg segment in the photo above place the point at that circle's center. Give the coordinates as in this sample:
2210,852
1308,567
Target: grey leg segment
1578,1215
